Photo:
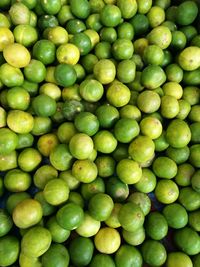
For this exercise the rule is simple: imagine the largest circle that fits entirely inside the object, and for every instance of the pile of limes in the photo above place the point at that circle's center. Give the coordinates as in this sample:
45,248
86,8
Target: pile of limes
99,133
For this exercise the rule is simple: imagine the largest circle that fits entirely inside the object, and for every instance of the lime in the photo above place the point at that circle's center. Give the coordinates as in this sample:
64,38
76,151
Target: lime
187,240
194,220
28,261
16,180
107,115
178,259
89,227
174,73
29,159
166,191
107,240
154,253
125,30
68,54
184,174
160,36
81,9
165,167
113,220
131,217
194,113
108,34
101,260
186,13
147,182
44,51
14,199
104,71
126,129
141,149
9,250
128,8
25,35
83,42
134,238
74,26
84,170
142,200
36,241
47,209
70,216
6,223
189,198
27,213
44,105
104,142
100,206
11,76
122,49
60,157
87,123
91,90
128,255
179,155
65,132
126,71
128,171
188,58
15,12
148,101
81,146
153,76
52,7
117,189
8,140
110,15
56,254
35,71
140,24
65,75
56,192
176,215
195,181
20,121
118,94
6,38
46,143
18,98
58,233
178,133
151,127
58,35
156,16
156,226
105,165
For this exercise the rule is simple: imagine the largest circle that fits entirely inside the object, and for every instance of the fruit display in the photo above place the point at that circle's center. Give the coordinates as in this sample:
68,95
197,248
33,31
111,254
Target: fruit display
99,133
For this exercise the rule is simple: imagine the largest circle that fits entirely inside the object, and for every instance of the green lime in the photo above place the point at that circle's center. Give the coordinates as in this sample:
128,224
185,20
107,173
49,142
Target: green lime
186,13
131,217
156,16
65,75
27,213
118,94
174,73
188,58
84,170
100,206
60,157
160,36
9,161
156,226
178,133
140,24
104,142
56,254
189,198
125,30
44,51
11,76
166,191
104,71
128,8
154,253
151,127
91,90
101,260
8,140
134,238
51,7
179,155
108,34
113,220
18,98
195,181
20,121
126,129
142,200
74,26
178,259
83,42
15,199
147,182
194,113
87,123
148,101
9,250
165,167
81,9
105,165
58,35
6,38
184,174
70,216
47,209
128,255
6,223
141,149
176,215
122,49
56,192
81,146
110,15
117,189
46,143
29,159
89,227
58,233
194,221
126,70
16,180
68,54
25,34
187,240
36,241
153,76
128,171
44,105
107,240
107,115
